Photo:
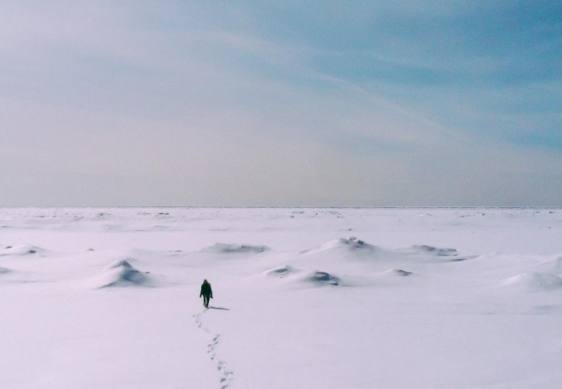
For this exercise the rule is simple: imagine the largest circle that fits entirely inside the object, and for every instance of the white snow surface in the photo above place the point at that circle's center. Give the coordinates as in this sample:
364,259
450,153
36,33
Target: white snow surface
304,298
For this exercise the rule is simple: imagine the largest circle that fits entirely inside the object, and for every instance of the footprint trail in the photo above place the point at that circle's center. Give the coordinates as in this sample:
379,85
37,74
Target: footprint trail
226,375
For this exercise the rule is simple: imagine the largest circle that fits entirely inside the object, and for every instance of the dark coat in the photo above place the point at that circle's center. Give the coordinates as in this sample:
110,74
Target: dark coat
206,290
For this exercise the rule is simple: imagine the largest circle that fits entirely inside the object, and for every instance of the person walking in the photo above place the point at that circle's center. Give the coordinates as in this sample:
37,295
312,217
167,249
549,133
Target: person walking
206,293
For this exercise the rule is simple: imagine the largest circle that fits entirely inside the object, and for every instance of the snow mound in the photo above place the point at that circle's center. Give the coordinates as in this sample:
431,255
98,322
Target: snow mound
437,251
351,244
20,250
282,271
233,248
440,253
354,244
3,270
321,278
398,272
535,281
122,273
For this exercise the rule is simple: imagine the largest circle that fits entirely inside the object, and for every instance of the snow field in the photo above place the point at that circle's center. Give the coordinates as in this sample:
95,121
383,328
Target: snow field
307,298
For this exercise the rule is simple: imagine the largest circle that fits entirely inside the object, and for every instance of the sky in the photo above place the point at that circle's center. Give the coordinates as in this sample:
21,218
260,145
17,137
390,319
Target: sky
291,103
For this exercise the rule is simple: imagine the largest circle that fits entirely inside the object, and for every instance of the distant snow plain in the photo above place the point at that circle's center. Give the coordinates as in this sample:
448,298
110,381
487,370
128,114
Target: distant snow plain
304,298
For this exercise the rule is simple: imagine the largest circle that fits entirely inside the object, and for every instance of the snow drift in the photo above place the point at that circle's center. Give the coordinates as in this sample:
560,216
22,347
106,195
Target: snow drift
321,278
535,281
397,272
314,278
437,253
344,245
282,271
233,248
122,273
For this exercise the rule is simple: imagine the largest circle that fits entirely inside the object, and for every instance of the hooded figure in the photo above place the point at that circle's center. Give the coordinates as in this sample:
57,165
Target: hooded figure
206,293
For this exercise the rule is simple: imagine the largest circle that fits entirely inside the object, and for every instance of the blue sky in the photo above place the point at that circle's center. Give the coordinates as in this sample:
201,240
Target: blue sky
246,103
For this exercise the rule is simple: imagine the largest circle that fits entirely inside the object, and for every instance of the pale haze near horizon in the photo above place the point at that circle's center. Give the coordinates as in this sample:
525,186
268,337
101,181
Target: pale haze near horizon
255,104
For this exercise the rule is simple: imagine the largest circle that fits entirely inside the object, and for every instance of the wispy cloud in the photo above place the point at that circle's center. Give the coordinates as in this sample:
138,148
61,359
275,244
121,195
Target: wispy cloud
281,104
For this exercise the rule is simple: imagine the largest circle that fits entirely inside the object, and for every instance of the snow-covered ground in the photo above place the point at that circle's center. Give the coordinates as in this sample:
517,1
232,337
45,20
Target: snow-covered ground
304,298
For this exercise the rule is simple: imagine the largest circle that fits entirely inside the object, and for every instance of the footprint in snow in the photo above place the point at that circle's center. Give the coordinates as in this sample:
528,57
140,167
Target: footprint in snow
225,374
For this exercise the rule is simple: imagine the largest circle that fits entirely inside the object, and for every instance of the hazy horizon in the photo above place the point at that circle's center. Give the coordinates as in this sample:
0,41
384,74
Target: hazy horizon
323,104
304,207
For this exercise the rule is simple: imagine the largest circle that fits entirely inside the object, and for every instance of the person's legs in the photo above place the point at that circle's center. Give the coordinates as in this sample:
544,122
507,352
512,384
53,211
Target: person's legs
206,301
